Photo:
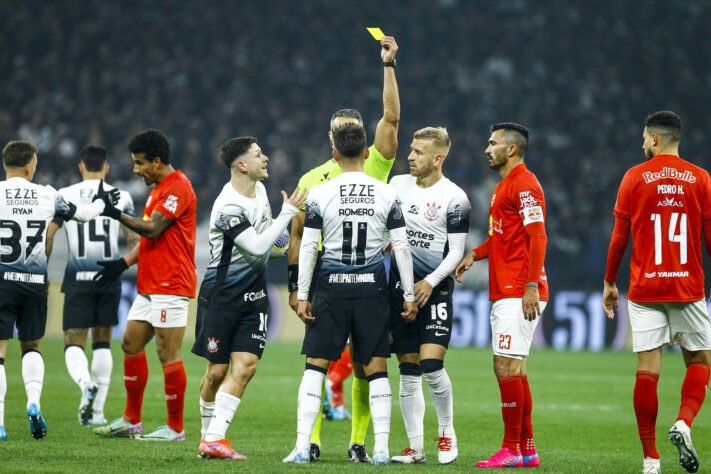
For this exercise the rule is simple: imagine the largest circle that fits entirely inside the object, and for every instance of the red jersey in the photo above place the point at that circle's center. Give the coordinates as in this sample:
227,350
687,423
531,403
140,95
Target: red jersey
166,264
666,199
517,202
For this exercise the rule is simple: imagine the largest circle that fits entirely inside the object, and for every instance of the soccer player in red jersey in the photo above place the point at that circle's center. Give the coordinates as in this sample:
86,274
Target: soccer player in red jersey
518,287
666,202
166,281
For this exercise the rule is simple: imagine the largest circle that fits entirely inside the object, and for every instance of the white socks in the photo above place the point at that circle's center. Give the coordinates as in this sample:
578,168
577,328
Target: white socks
225,407
308,406
3,391
101,366
33,375
77,365
441,392
412,404
206,409
380,409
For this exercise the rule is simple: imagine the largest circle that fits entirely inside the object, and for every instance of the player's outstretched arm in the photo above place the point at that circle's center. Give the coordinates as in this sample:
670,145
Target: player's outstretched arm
149,229
260,244
386,131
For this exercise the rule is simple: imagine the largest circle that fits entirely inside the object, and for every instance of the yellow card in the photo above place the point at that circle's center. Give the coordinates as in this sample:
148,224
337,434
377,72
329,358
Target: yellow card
376,32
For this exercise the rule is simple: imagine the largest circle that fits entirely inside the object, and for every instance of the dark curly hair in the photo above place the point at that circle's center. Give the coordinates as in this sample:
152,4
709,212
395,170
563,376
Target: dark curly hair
151,143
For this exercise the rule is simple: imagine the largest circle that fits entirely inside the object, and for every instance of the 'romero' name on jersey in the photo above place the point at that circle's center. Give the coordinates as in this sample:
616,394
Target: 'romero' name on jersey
353,213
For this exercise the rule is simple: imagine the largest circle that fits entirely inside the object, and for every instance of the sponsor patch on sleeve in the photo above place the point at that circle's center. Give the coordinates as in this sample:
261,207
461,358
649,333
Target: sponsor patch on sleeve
532,214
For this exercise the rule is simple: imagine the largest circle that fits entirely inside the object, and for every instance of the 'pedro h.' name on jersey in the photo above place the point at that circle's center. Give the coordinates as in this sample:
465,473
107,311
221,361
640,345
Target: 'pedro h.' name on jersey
89,242
235,279
353,213
430,214
26,210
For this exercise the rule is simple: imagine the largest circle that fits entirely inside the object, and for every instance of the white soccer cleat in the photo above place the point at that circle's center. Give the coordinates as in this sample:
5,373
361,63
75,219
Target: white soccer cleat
297,456
163,433
381,458
680,436
448,451
86,405
410,456
651,466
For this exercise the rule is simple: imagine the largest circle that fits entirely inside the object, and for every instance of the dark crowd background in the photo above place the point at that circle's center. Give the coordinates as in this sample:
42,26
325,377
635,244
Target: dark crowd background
581,75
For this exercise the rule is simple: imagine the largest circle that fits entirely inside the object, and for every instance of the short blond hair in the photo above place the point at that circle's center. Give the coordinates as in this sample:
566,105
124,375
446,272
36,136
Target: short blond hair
438,135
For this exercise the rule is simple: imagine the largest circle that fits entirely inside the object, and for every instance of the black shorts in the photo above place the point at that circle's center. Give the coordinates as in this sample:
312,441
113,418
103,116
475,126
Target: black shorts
432,326
364,319
29,312
86,310
220,333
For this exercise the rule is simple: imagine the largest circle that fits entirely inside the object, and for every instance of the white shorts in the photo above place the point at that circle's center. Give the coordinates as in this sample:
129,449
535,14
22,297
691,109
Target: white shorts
656,324
160,311
511,333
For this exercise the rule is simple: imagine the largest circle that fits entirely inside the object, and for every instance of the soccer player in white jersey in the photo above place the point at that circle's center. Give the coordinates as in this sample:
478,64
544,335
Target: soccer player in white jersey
355,215
233,306
89,304
25,211
437,217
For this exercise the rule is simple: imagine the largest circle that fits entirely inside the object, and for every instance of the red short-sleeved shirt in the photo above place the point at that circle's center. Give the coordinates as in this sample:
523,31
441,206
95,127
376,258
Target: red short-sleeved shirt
666,200
517,201
166,264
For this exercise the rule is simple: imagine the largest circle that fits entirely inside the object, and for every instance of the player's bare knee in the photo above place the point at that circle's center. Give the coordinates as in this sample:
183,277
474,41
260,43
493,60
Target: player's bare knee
27,346
75,337
101,334
166,355
358,371
244,371
409,358
130,347
506,366
215,374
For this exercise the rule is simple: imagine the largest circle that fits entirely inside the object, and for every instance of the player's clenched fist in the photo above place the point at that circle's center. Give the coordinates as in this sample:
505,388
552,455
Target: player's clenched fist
464,265
389,49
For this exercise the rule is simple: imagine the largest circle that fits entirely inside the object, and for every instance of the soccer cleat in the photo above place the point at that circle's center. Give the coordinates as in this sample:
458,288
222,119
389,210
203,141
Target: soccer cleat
97,419
651,466
314,452
163,433
220,449
119,428
327,411
3,434
357,453
38,428
86,405
381,458
504,457
680,436
297,457
410,456
448,451
531,460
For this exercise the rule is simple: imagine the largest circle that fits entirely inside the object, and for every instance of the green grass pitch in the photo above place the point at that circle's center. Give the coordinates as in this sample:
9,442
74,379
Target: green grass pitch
583,417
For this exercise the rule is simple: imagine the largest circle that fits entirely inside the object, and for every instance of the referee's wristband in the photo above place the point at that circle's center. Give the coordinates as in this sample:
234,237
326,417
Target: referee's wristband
293,276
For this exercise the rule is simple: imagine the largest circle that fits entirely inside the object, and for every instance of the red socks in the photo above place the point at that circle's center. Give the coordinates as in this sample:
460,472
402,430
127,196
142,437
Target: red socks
175,381
693,391
528,447
135,375
512,401
645,407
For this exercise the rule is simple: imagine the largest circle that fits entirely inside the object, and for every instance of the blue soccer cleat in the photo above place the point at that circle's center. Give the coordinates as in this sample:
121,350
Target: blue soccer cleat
38,428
